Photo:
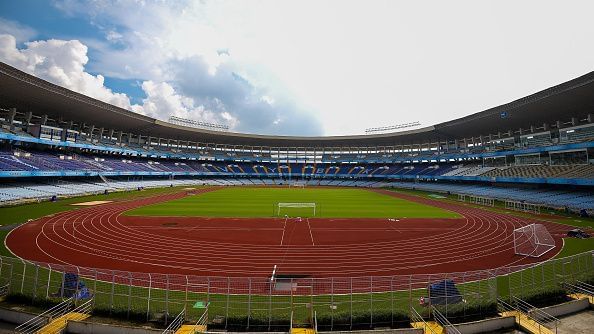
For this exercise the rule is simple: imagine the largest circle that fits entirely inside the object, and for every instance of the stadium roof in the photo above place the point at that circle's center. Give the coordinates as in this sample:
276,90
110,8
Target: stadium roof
574,98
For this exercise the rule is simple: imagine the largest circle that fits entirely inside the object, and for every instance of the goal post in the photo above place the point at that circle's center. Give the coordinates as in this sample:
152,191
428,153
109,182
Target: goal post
532,240
297,184
296,208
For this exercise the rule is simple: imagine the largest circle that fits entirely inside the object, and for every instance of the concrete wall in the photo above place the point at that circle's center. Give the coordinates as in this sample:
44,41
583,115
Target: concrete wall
486,325
86,327
567,307
15,317
380,331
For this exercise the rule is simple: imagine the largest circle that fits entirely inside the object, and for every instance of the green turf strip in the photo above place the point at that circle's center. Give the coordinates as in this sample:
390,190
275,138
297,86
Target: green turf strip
572,246
262,202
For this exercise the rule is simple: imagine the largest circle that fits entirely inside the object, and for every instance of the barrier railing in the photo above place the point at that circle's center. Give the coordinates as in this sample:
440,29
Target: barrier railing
579,287
34,324
536,314
259,303
202,322
176,323
444,322
416,318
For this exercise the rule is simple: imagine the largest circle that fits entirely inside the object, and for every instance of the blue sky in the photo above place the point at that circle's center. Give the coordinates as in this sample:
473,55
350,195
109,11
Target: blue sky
300,67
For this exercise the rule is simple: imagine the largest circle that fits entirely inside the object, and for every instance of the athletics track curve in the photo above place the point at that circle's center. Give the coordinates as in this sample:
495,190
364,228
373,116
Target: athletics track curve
101,237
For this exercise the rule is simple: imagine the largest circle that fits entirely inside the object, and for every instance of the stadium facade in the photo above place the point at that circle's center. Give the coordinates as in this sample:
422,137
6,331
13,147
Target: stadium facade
536,147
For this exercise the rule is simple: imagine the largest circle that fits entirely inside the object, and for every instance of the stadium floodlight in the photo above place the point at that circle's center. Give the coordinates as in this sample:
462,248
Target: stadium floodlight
385,129
198,124
532,240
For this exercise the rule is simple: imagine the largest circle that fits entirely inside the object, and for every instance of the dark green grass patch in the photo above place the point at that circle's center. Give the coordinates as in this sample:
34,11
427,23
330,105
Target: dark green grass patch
262,202
573,246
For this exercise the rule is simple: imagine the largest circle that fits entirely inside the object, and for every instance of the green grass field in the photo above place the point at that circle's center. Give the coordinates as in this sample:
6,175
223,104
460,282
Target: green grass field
262,202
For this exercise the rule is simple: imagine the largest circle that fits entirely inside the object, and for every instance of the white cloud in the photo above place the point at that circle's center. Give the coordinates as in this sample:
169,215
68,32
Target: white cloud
20,32
162,102
185,41
60,62
63,63
347,65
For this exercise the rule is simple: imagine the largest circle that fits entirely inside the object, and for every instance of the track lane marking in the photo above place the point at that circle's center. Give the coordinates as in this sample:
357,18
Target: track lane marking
310,233
284,229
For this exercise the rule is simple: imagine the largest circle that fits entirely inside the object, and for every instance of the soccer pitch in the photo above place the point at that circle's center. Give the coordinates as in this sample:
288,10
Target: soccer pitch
263,202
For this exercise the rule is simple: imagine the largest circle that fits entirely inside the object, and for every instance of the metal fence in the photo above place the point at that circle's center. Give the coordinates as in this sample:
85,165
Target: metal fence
261,304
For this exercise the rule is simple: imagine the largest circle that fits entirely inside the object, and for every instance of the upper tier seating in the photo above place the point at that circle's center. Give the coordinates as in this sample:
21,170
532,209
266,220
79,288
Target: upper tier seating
542,171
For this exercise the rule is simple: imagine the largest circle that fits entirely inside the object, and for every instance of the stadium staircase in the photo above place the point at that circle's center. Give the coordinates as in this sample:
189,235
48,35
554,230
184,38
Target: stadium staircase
528,318
104,179
580,290
55,320
428,327
311,328
177,326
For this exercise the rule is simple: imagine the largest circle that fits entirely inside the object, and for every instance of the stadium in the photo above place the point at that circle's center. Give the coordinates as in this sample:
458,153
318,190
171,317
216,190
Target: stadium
300,167
125,216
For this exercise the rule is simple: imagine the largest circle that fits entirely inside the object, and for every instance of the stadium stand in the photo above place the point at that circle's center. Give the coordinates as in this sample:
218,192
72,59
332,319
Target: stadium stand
60,143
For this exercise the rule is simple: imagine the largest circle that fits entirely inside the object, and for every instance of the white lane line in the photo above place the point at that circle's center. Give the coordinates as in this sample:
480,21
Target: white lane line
284,229
310,234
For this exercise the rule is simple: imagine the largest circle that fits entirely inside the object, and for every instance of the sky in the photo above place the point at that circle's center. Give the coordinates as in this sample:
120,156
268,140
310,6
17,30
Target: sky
301,67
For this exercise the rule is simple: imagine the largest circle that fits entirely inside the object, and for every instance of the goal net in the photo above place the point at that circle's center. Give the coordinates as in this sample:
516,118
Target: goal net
297,184
296,209
533,240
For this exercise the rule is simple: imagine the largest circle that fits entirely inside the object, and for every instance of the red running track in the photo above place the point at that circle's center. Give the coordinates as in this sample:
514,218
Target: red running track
101,237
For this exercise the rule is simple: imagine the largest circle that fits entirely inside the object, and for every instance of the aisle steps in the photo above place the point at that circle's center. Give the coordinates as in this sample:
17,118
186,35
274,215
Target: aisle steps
57,325
527,324
191,329
429,327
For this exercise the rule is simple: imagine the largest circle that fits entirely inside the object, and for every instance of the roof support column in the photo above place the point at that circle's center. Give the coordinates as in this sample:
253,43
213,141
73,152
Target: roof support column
11,116
28,117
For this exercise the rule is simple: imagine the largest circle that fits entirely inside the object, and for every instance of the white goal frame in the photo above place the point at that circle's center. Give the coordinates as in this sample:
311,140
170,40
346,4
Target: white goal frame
295,205
297,184
532,240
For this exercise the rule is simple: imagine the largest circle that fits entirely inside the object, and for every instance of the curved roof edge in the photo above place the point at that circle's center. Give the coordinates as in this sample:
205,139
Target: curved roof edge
574,98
